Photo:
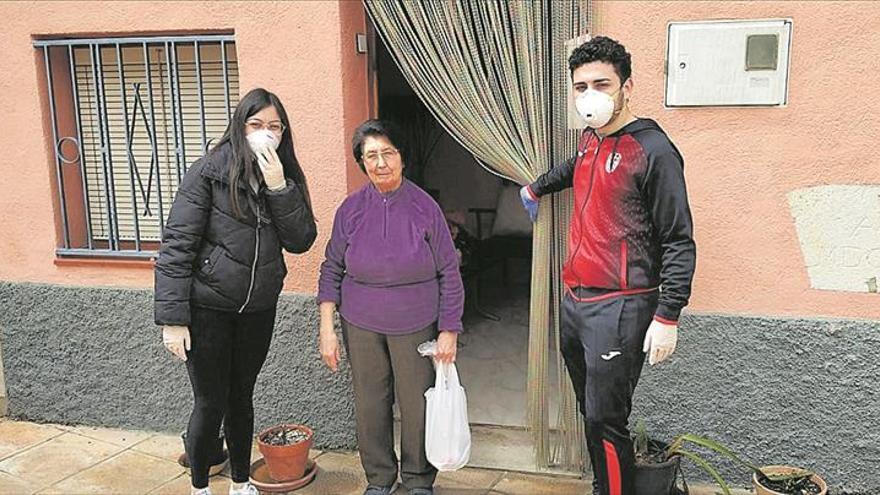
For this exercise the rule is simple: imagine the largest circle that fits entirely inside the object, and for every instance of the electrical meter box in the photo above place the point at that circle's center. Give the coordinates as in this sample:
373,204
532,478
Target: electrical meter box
728,63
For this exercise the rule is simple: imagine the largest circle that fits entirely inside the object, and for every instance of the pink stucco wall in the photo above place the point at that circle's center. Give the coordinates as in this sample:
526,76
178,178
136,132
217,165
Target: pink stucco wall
741,163
303,51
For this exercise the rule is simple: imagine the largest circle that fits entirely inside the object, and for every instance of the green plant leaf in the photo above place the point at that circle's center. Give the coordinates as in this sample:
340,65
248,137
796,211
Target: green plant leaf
709,444
706,467
640,442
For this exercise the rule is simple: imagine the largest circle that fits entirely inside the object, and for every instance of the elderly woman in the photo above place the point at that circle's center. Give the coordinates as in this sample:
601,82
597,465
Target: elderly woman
392,272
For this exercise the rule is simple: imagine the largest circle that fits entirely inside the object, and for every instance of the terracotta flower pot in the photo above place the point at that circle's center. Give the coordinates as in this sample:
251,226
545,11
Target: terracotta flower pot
761,490
286,462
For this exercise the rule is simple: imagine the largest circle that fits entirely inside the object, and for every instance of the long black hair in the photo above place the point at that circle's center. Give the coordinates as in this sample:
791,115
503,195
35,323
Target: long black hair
243,166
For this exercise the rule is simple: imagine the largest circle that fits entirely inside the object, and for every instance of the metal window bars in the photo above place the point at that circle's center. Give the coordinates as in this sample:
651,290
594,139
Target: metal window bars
128,114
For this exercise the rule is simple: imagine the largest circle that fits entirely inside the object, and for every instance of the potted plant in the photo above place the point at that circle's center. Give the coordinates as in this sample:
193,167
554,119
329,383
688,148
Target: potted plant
217,455
658,464
787,480
656,472
767,480
285,449
656,468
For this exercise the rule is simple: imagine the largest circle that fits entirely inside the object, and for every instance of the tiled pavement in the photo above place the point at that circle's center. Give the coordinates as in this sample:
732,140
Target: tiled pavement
57,459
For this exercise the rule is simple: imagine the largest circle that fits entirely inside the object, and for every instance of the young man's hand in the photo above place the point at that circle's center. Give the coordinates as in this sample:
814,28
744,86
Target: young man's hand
660,341
529,201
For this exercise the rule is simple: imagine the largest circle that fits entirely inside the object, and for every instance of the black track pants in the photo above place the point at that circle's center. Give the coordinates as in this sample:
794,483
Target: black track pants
601,342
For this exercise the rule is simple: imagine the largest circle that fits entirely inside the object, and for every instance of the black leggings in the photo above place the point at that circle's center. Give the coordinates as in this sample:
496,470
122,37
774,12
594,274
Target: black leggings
228,349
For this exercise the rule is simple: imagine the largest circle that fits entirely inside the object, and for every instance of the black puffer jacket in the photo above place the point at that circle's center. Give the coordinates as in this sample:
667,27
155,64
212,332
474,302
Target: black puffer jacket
209,258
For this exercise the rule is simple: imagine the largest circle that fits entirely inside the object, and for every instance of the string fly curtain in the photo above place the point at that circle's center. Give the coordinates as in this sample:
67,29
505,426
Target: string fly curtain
493,73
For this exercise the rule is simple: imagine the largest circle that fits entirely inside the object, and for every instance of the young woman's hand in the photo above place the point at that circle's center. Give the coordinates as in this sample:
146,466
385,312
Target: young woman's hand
271,168
176,340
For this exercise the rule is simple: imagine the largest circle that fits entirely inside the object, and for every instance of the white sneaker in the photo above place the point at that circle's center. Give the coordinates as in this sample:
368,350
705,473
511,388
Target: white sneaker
202,491
246,489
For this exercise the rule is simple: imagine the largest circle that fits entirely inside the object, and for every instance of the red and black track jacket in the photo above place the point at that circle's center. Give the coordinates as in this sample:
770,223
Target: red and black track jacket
631,229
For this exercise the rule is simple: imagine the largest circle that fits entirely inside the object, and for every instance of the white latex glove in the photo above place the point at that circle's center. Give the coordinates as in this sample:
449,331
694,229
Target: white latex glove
530,203
660,341
271,168
176,340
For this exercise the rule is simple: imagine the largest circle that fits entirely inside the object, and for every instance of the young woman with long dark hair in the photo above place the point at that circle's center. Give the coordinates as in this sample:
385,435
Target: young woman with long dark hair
220,271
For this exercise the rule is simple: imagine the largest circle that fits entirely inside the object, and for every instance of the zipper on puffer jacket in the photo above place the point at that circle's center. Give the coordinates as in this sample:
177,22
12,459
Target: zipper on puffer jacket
254,266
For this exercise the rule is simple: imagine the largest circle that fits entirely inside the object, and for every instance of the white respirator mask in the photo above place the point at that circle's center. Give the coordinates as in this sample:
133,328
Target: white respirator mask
596,108
262,139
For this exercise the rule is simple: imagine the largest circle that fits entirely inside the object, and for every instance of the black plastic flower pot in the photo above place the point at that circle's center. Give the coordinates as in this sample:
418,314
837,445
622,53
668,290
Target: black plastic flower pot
657,478
217,456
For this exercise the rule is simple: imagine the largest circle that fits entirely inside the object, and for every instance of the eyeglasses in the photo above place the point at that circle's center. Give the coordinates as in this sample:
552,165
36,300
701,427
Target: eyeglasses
256,125
372,158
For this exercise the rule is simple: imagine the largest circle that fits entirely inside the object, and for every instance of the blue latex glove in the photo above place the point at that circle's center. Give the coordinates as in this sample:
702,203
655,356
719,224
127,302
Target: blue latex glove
530,204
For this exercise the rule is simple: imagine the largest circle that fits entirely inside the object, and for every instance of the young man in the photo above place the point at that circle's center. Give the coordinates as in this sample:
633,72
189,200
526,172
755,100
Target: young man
631,254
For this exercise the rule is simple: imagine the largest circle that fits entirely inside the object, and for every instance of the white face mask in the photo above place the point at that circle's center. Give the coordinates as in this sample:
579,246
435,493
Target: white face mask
262,139
596,107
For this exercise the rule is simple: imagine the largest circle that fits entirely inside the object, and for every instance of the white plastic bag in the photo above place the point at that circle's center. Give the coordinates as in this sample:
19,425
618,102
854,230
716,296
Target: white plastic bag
447,433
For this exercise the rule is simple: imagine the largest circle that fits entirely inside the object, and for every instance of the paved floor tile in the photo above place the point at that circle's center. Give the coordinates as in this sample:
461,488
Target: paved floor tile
66,460
12,485
57,459
466,481
161,445
501,448
17,435
129,472
122,438
182,484
527,484
338,474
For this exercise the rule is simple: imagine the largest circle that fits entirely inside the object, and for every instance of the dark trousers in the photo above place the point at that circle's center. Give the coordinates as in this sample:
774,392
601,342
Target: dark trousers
228,349
601,343
384,367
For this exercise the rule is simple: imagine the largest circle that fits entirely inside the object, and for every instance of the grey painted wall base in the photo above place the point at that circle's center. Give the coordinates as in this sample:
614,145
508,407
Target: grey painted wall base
93,356
794,391
3,401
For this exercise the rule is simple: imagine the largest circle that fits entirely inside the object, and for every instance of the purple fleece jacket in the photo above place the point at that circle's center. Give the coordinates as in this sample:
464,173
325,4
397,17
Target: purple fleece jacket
390,265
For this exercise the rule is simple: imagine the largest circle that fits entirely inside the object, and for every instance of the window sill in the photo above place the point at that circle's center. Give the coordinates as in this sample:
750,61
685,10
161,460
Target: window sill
105,262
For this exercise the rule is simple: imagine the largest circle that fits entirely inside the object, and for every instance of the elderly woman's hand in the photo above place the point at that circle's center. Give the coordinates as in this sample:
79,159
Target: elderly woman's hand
329,345
447,345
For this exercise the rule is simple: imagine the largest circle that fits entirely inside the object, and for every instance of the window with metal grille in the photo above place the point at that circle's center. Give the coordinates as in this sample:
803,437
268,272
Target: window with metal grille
128,116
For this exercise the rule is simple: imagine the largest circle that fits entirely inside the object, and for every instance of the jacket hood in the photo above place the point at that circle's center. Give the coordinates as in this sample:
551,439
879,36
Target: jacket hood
637,126
216,163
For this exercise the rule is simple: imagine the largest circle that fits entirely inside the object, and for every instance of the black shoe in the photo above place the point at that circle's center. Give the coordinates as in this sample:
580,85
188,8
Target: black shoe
380,490
420,491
